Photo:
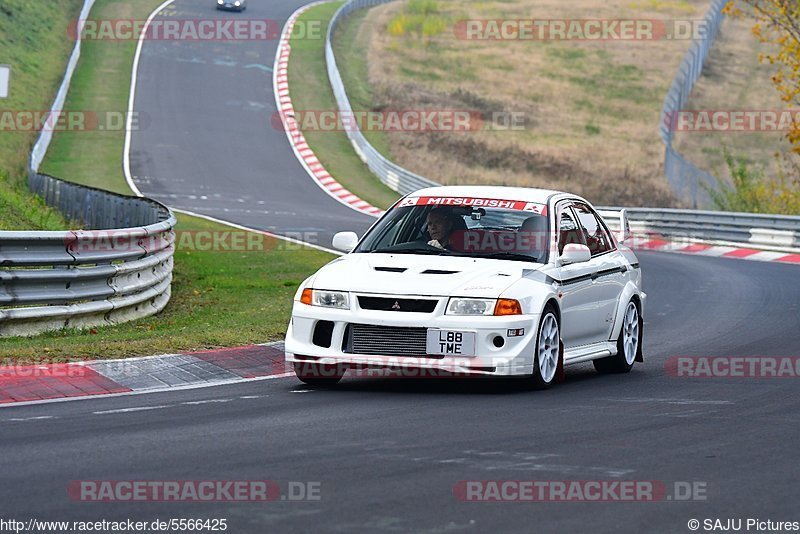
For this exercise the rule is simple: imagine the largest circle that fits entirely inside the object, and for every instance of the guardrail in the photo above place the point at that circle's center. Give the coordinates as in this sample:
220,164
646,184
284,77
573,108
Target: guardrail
394,176
685,179
46,134
80,278
117,269
771,232
767,232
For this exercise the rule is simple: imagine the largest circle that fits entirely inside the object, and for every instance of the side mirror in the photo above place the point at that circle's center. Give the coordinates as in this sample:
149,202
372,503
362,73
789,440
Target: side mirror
624,226
575,253
345,241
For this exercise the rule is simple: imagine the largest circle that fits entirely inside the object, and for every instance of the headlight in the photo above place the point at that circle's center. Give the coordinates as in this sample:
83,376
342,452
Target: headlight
220,2
326,299
462,306
237,3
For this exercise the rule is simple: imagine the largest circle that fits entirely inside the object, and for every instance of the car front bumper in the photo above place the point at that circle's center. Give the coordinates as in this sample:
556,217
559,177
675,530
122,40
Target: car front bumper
515,357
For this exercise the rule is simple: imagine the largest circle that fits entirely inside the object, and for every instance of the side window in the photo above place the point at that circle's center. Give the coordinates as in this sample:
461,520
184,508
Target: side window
597,239
568,231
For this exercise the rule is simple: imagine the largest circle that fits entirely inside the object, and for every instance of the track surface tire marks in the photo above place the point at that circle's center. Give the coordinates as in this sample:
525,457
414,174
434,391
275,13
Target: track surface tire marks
388,453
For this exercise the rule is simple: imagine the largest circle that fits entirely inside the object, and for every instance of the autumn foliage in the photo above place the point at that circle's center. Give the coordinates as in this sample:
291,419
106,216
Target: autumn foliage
777,25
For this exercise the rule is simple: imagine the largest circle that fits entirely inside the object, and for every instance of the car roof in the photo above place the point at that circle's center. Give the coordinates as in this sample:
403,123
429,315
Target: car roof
527,194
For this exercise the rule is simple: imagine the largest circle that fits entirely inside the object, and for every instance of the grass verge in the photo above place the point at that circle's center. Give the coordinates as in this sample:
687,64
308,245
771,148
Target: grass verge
219,299
100,85
34,41
311,91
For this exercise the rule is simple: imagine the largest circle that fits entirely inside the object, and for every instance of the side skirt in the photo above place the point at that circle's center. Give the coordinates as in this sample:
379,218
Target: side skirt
588,353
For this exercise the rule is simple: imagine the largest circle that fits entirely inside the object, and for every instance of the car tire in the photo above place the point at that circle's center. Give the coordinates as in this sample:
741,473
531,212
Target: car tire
318,374
547,351
629,343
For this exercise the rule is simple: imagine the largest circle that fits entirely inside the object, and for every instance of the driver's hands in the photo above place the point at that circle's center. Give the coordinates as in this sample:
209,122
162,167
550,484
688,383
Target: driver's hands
435,243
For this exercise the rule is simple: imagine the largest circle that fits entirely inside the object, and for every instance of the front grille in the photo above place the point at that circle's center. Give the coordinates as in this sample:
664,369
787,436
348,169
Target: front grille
395,304
386,340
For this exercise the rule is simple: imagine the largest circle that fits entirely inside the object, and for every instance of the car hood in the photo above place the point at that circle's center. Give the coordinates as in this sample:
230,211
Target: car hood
407,274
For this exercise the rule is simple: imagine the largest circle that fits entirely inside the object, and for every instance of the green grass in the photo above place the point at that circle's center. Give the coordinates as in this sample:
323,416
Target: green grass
34,40
219,299
310,90
101,84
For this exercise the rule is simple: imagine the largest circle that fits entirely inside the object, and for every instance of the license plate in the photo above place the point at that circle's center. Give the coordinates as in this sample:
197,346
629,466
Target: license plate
450,342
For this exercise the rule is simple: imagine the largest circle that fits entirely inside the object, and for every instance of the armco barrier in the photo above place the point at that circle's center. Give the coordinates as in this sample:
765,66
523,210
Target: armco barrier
394,176
760,231
772,232
685,180
46,135
118,269
107,275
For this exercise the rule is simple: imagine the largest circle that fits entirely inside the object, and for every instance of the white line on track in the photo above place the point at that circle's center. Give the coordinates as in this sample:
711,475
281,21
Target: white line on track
23,419
134,409
670,401
207,401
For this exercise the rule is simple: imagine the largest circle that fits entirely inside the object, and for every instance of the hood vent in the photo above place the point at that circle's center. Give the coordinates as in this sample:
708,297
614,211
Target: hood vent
438,271
391,269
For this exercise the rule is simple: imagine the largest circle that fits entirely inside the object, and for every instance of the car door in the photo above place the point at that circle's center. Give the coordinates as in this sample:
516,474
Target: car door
608,278
576,291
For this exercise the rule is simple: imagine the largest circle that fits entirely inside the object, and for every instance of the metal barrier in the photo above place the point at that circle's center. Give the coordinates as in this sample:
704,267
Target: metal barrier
108,275
394,176
686,180
118,270
768,232
773,232
46,134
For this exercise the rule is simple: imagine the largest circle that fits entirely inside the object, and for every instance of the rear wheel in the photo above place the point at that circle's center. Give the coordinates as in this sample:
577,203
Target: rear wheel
548,351
630,337
318,374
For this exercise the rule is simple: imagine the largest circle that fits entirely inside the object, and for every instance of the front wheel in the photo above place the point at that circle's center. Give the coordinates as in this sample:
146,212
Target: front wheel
317,374
548,351
628,344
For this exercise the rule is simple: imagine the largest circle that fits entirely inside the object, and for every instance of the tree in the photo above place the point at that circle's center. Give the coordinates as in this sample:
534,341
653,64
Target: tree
777,24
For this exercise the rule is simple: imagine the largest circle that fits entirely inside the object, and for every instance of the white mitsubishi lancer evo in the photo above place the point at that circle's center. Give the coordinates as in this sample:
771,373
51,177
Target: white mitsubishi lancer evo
473,280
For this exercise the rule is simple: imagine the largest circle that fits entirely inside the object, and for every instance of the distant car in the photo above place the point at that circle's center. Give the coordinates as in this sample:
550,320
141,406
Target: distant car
232,5
473,280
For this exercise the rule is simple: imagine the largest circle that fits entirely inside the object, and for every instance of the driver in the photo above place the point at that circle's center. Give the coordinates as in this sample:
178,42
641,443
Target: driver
441,223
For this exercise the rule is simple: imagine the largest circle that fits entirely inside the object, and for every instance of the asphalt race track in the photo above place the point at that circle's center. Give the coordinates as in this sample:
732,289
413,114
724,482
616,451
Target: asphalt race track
387,454
209,145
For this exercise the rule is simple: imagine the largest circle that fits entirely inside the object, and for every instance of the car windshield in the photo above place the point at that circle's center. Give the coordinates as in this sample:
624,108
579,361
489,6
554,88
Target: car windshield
472,227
